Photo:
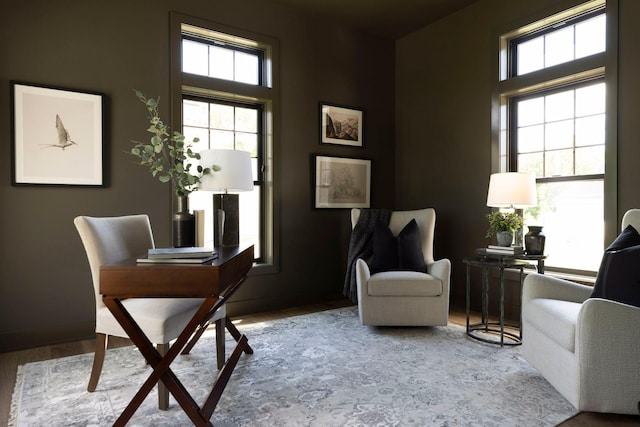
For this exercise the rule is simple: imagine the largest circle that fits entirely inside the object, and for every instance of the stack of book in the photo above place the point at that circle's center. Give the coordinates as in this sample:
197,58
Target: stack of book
188,255
505,250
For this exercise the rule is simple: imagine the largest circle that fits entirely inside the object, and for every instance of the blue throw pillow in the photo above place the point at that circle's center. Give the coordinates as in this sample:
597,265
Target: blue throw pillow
402,253
618,278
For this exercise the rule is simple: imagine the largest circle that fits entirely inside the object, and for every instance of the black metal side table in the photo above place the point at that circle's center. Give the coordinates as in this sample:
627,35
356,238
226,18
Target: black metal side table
539,259
485,329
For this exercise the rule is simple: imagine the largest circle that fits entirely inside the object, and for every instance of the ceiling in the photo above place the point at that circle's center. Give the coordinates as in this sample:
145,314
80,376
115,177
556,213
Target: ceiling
386,18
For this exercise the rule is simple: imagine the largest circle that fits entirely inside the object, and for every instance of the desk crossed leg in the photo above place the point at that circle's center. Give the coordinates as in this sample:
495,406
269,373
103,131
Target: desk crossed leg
161,365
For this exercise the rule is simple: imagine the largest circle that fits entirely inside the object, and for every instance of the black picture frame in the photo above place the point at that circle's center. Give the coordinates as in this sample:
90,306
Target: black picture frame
341,125
58,136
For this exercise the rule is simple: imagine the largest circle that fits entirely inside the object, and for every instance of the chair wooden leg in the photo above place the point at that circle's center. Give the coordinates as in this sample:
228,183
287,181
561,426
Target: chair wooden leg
220,349
194,339
102,341
163,391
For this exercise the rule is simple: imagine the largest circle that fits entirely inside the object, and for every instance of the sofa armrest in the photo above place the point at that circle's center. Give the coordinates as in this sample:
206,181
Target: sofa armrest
608,345
545,286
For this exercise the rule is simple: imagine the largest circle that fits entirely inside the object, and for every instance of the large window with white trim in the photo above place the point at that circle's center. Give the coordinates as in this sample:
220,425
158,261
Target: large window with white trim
553,93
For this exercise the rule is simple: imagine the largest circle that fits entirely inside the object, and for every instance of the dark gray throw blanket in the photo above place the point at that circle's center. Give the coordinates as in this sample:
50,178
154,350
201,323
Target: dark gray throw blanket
361,246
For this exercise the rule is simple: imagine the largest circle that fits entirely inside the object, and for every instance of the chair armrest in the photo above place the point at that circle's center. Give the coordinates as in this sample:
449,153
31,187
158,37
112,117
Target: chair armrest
362,276
608,345
440,269
544,286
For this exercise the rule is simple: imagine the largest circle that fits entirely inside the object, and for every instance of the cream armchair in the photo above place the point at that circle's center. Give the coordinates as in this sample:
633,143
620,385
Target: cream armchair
405,298
587,348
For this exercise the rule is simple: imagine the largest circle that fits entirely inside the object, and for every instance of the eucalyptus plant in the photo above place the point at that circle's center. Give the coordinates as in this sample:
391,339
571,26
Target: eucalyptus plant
166,152
503,221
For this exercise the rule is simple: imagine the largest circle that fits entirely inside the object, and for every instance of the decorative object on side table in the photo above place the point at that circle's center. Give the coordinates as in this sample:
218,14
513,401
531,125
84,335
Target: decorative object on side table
503,225
235,175
168,157
511,190
534,240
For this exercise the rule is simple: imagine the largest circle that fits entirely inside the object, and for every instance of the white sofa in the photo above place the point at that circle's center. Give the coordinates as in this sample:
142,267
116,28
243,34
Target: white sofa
587,348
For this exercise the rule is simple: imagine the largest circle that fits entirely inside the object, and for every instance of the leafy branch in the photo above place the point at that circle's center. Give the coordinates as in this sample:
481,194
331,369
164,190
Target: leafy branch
166,152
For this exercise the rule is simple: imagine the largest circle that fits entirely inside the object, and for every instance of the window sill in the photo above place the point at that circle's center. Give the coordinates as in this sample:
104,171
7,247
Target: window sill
513,274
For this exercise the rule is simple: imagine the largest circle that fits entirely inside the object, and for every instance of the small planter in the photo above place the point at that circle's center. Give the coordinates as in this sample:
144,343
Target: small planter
504,238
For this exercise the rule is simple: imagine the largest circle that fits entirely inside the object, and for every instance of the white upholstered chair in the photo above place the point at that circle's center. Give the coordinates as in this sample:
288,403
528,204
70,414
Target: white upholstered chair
112,239
587,348
405,298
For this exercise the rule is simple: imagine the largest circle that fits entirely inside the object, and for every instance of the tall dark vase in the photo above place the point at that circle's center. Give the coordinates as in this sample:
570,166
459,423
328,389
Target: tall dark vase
534,240
184,225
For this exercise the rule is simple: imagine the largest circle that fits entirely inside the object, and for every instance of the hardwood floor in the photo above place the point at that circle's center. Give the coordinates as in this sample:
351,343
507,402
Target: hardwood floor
9,363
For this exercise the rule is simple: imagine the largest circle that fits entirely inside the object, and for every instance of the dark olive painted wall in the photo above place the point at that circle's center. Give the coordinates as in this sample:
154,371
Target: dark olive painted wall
113,47
444,75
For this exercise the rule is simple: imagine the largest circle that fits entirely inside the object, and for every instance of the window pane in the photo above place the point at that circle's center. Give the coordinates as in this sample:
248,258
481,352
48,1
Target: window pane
558,135
222,116
247,142
530,56
591,36
221,62
590,100
246,119
249,206
559,106
200,133
559,44
531,111
531,139
590,130
246,68
590,160
221,139
558,47
571,214
194,58
532,163
559,163
195,113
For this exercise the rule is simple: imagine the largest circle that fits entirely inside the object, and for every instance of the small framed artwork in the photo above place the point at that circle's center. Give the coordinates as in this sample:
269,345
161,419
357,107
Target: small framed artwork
342,182
341,125
58,136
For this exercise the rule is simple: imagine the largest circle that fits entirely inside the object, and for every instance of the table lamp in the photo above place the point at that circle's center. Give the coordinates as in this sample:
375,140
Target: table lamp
235,175
514,190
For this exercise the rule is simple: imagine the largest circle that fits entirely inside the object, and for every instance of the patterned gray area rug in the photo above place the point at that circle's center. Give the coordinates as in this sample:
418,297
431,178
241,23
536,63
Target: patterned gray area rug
322,369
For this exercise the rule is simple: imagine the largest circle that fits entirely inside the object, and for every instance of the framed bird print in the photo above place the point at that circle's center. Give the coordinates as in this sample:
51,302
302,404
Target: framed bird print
58,136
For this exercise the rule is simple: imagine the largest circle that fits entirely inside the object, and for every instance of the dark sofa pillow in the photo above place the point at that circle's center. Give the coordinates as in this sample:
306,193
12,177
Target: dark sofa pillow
617,279
622,276
402,253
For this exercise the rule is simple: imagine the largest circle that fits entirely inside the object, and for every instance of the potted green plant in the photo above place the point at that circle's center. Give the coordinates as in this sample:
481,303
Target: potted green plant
166,154
503,225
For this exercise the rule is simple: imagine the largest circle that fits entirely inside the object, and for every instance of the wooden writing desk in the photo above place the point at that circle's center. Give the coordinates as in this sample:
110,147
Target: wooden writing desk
211,281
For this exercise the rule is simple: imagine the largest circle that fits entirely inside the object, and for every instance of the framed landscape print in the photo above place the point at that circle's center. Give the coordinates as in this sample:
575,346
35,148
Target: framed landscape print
57,136
342,182
341,125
